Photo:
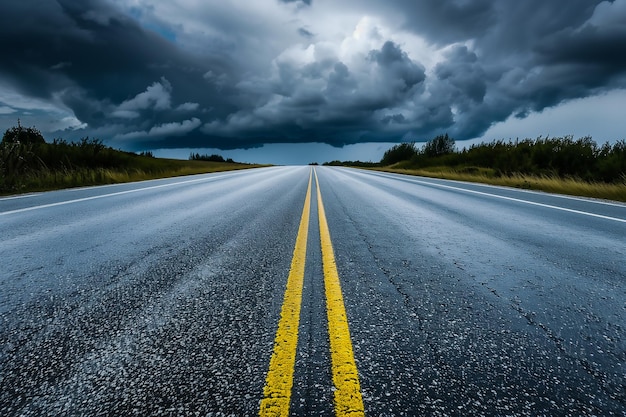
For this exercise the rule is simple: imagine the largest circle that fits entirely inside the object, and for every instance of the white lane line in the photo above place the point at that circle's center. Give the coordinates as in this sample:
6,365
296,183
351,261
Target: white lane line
600,216
95,197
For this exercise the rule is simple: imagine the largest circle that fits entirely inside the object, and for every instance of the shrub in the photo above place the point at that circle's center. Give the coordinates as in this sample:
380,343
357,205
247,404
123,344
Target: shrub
398,153
439,145
19,134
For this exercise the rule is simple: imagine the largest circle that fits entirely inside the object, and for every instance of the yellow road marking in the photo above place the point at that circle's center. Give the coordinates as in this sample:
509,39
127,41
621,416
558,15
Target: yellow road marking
348,400
279,380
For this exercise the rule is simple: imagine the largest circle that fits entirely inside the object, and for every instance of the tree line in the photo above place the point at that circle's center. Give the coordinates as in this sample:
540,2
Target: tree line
562,157
210,158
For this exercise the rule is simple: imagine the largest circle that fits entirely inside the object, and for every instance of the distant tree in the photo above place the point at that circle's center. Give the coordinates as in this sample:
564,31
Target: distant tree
337,163
210,158
20,134
398,153
440,145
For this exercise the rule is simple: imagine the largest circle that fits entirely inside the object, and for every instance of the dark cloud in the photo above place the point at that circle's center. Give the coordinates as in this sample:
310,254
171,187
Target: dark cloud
397,66
598,46
521,56
445,22
325,100
230,78
463,76
105,67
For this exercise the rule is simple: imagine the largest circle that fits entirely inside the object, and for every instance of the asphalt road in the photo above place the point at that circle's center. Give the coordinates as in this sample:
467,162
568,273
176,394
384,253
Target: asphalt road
164,297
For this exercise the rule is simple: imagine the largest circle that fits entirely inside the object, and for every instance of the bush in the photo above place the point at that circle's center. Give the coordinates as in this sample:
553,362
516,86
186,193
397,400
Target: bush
440,145
399,153
19,134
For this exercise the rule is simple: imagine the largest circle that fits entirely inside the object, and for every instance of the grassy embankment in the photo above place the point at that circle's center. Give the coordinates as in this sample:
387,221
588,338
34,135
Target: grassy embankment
29,167
46,180
557,165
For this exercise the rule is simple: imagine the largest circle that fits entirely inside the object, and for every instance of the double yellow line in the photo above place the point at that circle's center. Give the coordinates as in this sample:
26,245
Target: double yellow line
279,380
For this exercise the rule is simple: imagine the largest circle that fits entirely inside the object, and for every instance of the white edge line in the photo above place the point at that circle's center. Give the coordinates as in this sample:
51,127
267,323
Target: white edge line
95,197
519,190
118,184
15,197
600,216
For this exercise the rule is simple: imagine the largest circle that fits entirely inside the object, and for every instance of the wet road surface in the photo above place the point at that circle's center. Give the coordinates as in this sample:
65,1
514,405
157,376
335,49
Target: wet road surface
164,297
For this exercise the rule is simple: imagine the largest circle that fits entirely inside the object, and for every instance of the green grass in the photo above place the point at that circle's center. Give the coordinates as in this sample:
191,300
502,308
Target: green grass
551,184
143,168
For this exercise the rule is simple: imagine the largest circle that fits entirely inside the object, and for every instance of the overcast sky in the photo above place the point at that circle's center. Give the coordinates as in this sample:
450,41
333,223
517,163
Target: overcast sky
277,76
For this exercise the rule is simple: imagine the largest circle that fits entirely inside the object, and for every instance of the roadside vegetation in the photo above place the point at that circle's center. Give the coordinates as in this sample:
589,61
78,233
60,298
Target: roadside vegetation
561,165
28,163
209,158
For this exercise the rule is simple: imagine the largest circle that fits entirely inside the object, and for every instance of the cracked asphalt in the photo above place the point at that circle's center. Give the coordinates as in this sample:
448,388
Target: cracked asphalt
163,297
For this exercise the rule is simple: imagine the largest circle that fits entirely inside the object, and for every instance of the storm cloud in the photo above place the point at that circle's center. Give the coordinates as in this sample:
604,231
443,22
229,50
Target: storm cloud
141,74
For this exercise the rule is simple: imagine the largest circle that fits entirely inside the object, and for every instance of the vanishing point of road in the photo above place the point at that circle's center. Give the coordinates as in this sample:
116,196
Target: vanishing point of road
311,291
